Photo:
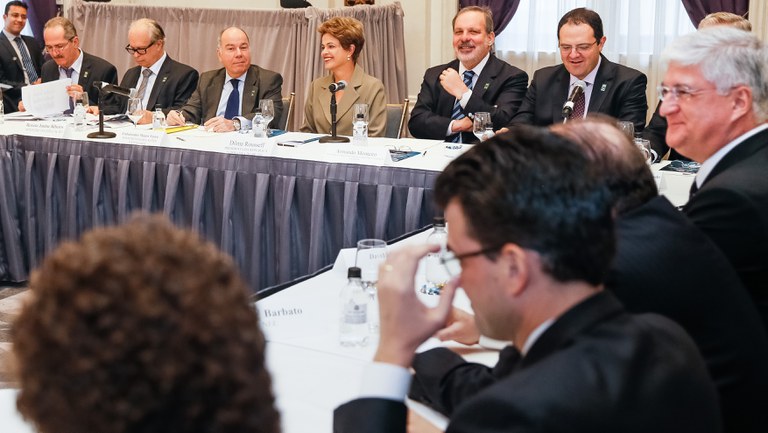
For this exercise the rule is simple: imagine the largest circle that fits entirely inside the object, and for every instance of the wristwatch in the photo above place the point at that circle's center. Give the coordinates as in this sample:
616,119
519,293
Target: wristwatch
236,123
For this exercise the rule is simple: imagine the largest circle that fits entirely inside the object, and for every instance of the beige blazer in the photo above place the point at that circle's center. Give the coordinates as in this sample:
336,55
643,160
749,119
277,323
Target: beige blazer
363,89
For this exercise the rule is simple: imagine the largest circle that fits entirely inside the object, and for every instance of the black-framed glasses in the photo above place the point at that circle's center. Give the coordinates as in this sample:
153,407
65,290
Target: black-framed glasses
452,261
581,48
131,50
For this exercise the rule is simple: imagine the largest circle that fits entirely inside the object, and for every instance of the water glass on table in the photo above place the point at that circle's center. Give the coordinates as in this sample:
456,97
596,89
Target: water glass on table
482,126
371,253
135,110
628,128
267,108
644,146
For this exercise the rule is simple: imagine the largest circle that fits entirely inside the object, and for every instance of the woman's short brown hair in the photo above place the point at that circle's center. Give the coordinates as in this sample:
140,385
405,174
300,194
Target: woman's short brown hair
349,31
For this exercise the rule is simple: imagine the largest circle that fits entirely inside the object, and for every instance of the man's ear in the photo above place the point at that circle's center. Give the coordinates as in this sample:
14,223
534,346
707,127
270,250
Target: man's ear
516,263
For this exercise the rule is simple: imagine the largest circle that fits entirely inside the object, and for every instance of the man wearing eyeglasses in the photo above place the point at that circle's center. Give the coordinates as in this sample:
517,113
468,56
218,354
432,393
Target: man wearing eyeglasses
159,80
226,99
477,81
611,88
532,261
715,99
20,56
69,61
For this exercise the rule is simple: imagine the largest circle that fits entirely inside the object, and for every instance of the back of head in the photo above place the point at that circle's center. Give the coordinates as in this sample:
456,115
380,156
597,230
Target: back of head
616,160
725,19
727,57
141,327
583,16
537,190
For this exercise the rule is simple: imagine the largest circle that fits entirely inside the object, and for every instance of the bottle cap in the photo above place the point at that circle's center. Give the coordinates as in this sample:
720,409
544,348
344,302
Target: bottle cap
438,221
354,272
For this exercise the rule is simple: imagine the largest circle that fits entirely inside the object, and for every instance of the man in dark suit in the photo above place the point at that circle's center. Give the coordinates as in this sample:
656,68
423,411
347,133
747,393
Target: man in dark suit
476,81
20,56
533,273
663,265
159,80
719,119
611,88
69,61
217,103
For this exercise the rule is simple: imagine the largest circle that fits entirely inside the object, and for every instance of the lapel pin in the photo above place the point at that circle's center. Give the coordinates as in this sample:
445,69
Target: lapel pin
487,85
85,74
602,88
165,78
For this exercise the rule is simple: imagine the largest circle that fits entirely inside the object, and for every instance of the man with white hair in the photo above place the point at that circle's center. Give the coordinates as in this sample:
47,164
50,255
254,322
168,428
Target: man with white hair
715,100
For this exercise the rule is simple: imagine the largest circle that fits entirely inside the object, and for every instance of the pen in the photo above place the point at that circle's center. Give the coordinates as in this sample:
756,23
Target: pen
181,139
424,154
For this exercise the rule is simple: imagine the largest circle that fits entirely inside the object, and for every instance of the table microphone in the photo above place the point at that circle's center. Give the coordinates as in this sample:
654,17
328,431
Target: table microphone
113,88
578,88
105,88
335,87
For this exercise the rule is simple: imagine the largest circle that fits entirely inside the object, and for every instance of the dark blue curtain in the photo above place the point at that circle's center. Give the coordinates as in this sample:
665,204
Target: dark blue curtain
503,11
698,9
40,11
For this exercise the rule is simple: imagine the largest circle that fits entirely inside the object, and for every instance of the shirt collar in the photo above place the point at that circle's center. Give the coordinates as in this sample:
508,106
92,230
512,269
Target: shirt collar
590,78
155,68
10,35
77,66
711,162
240,78
535,335
477,69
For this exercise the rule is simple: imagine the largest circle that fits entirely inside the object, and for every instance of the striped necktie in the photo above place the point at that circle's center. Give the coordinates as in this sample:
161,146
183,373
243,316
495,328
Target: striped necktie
456,113
28,66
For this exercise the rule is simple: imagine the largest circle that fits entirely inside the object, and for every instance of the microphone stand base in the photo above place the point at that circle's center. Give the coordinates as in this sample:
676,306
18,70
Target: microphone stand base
102,134
334,139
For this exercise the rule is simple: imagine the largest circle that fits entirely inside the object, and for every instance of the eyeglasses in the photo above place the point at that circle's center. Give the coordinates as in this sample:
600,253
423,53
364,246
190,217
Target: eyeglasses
679,93
141,51
57,48
581,48
452,261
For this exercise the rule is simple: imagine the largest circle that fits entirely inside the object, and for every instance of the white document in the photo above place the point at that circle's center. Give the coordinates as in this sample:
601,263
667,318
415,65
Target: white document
46,98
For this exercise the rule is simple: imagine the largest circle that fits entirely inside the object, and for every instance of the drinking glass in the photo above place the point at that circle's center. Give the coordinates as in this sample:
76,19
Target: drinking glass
370,254
482,126
80,98
267,108
361,113
645,147
135,110
628,128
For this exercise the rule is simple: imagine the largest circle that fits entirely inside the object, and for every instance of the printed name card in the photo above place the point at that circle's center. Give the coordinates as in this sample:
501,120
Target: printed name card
661,185
47,128
248,145
348,153
142,138
284,321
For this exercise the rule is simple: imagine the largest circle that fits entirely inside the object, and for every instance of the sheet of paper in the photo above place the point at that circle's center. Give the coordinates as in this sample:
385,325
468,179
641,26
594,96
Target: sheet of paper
46,98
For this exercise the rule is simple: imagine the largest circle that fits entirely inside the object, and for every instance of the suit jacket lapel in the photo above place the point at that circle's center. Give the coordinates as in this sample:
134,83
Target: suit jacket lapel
85,79
602,85
446,100
562,84
216,87
485,80
739,153
251,90
351,97
162,77
7,44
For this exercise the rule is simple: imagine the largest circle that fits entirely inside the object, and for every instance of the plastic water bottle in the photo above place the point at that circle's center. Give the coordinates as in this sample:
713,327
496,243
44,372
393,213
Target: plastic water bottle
259,125
158,119
353,311
360,131
78,117
436,274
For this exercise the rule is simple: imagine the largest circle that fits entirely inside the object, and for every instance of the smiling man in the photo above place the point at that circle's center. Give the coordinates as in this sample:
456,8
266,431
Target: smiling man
69,61
476,81
611,88
226,98
715,99
20,56
159,80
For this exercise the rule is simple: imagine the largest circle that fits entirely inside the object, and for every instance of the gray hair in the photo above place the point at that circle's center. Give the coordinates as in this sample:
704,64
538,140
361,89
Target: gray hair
727,57
152,28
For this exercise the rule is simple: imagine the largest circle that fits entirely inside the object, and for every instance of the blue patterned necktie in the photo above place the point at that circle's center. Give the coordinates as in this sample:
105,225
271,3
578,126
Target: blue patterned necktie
28,66
233,103
456,113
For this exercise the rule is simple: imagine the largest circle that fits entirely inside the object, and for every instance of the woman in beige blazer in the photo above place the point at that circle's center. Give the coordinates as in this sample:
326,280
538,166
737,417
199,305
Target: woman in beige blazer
340,47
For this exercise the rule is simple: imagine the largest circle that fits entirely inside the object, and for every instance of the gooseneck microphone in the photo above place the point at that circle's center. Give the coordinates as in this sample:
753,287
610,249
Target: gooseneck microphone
335,87
578,88
333,138
112,88
104,89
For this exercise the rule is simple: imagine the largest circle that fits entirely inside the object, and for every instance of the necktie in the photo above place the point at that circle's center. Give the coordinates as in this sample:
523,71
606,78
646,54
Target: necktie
69,72
233,103
456,113
578,106
30,68
143,86
694,189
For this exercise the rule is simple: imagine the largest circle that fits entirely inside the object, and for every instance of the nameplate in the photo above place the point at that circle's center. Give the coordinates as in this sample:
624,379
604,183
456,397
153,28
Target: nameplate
284,321
348,153
141,137
47,128
661,185
247,145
